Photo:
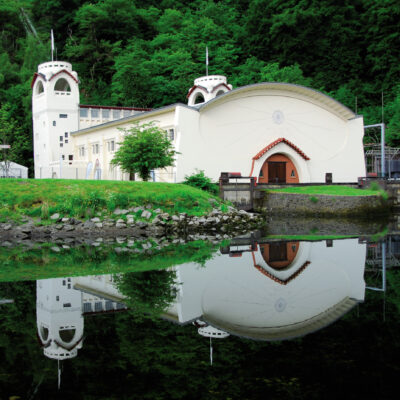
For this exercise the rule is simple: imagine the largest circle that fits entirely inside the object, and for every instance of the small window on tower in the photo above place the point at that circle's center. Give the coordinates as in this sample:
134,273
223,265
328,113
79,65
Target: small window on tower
292,175
63,116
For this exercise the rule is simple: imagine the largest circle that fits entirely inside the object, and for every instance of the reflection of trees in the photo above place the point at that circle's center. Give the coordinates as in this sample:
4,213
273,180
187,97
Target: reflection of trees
148,293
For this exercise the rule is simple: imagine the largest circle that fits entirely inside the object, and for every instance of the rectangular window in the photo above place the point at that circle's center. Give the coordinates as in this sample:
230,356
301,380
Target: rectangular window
116,114
70,157
171,135
82,151
127,113
67,305
111,146
54,123
95,112
66,140
105,113
57,298
63,157
63,116
83,112
61,138
66,134
61,145
95,148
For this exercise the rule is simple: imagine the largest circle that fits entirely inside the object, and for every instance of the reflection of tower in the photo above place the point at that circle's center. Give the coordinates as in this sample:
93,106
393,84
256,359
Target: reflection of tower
59,318
61,306
211,332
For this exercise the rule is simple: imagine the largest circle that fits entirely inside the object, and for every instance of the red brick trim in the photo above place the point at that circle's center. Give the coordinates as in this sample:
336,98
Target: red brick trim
221,84
274,278
196,87
60,72
276,142
35,76
115,107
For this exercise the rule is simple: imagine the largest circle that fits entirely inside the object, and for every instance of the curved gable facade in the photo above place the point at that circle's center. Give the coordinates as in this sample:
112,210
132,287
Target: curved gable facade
230,129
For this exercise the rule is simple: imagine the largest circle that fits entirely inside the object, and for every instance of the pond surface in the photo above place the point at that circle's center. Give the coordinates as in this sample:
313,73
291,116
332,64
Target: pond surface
242,319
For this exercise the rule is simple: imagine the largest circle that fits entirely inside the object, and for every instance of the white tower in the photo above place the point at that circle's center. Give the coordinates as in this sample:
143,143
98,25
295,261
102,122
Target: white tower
207,88
59,318
55,113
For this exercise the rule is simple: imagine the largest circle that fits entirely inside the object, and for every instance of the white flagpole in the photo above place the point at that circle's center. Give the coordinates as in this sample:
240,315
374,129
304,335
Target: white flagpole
52,45
207,60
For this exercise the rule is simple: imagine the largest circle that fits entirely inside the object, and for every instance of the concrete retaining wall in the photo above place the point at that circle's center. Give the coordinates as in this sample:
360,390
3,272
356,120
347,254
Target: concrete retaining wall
305,204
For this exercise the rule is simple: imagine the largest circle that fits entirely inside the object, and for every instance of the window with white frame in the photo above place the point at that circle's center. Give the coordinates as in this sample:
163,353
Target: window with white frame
83,112
95,148
171,134
116,114
95,112
111,146
105,113
81,151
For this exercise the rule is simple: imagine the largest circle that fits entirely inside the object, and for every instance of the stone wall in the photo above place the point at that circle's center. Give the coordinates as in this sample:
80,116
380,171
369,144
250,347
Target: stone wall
305,204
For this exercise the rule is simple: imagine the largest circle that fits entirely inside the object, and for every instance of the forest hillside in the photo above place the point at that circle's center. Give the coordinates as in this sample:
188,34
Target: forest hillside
146,53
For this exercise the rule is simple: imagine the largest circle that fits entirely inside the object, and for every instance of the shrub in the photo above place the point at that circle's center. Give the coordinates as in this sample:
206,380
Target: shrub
200,181
313,199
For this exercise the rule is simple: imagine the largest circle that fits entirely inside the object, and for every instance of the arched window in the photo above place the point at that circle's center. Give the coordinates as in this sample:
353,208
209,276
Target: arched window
199,98
67,335
39,88
44,333
220,92
62,85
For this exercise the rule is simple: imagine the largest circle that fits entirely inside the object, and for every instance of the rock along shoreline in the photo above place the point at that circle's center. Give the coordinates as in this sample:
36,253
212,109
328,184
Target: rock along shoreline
126,222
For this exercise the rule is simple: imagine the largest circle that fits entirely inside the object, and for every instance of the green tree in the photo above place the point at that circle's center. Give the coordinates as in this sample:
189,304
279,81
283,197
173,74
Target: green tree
145,148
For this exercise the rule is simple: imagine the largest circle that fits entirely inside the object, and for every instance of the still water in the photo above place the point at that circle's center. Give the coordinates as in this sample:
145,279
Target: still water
245,319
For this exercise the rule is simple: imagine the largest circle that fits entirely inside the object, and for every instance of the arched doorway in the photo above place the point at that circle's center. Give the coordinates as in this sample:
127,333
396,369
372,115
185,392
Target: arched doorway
279,255
278,169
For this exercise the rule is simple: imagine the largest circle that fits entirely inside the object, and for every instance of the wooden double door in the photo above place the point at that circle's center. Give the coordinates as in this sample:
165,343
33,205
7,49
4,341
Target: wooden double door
278,169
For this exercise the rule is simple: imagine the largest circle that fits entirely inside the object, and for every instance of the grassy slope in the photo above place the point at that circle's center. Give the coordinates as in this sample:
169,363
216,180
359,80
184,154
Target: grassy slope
75,197
331,190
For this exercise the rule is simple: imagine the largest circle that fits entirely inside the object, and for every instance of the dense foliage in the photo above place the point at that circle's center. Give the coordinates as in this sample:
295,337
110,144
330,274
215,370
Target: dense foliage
201,181
144,148
147,53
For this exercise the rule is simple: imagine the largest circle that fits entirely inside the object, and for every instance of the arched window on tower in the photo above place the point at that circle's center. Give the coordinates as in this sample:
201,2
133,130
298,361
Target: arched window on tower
199,99
67,335
219,93
62,85
39,88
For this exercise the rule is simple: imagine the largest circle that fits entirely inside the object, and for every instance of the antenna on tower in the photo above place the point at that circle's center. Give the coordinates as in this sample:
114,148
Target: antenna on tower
207,60
211,352
52,45
59,374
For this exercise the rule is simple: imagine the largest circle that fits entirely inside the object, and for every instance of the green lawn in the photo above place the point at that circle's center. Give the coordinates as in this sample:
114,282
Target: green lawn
80,198
331,190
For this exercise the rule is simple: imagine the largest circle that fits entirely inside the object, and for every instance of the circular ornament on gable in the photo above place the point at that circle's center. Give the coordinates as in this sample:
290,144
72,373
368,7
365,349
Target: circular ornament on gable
278,117
280,305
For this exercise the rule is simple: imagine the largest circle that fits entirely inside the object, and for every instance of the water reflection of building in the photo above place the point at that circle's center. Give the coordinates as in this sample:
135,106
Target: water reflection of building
61,306
273,291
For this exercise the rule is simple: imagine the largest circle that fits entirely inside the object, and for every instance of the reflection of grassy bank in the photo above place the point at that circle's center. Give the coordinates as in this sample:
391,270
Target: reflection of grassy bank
18,264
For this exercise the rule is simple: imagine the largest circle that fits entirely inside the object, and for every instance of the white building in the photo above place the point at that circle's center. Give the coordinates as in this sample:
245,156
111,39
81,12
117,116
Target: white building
13,170
276,132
